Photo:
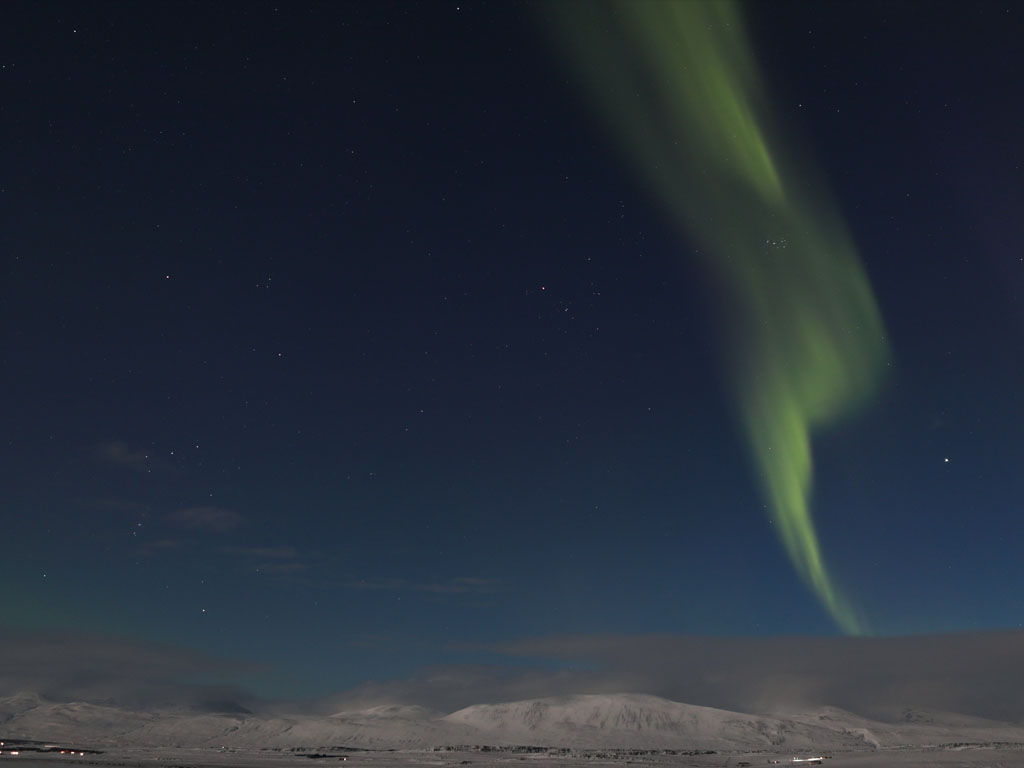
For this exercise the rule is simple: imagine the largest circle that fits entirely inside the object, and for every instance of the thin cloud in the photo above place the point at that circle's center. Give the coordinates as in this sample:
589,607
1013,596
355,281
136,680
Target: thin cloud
263,553
449,688
283,561
85,667
207,518
282,569
979,674
118,453
120,505
377,582
463,585
148,548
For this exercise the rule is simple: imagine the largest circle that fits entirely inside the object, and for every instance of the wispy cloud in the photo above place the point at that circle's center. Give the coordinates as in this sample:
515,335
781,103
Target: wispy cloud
207,518
120,505
283,561
86,667
282,569
975,673
263,553
979,673
462,585
377,582
118,453
156,546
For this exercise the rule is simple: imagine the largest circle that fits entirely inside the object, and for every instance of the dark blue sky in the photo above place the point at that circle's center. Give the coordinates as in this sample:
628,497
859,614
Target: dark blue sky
341,340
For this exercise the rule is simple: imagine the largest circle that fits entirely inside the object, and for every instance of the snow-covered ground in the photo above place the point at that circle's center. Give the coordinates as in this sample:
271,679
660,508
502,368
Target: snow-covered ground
593,727
987,757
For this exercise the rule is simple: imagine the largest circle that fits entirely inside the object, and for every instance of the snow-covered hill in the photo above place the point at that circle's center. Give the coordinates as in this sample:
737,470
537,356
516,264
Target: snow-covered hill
618,721
640,721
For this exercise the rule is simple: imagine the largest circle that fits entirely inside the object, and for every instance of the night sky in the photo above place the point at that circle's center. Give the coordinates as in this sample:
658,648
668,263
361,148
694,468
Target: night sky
345,339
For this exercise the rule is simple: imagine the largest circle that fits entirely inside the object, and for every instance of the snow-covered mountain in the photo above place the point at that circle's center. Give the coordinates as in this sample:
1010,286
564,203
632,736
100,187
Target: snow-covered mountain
640,721
615,721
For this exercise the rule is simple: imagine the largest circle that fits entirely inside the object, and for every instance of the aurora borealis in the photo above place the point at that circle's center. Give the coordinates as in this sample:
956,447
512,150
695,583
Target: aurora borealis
805,340
369,342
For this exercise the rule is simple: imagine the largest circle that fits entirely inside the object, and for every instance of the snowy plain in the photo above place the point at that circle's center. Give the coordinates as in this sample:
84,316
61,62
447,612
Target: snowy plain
620,729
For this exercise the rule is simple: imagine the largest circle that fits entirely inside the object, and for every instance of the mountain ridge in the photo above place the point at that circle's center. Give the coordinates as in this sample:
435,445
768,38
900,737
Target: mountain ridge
580,721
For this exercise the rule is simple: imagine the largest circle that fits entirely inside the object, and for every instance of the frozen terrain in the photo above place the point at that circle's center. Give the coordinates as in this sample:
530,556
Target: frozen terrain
615,729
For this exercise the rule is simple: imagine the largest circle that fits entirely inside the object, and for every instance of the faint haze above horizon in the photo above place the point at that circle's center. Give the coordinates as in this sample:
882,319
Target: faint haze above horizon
974,674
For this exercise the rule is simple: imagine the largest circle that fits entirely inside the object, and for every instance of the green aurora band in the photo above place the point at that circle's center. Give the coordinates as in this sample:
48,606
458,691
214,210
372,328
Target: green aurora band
679,85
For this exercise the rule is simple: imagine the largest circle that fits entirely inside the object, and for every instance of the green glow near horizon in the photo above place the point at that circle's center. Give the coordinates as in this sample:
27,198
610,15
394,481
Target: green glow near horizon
805,341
